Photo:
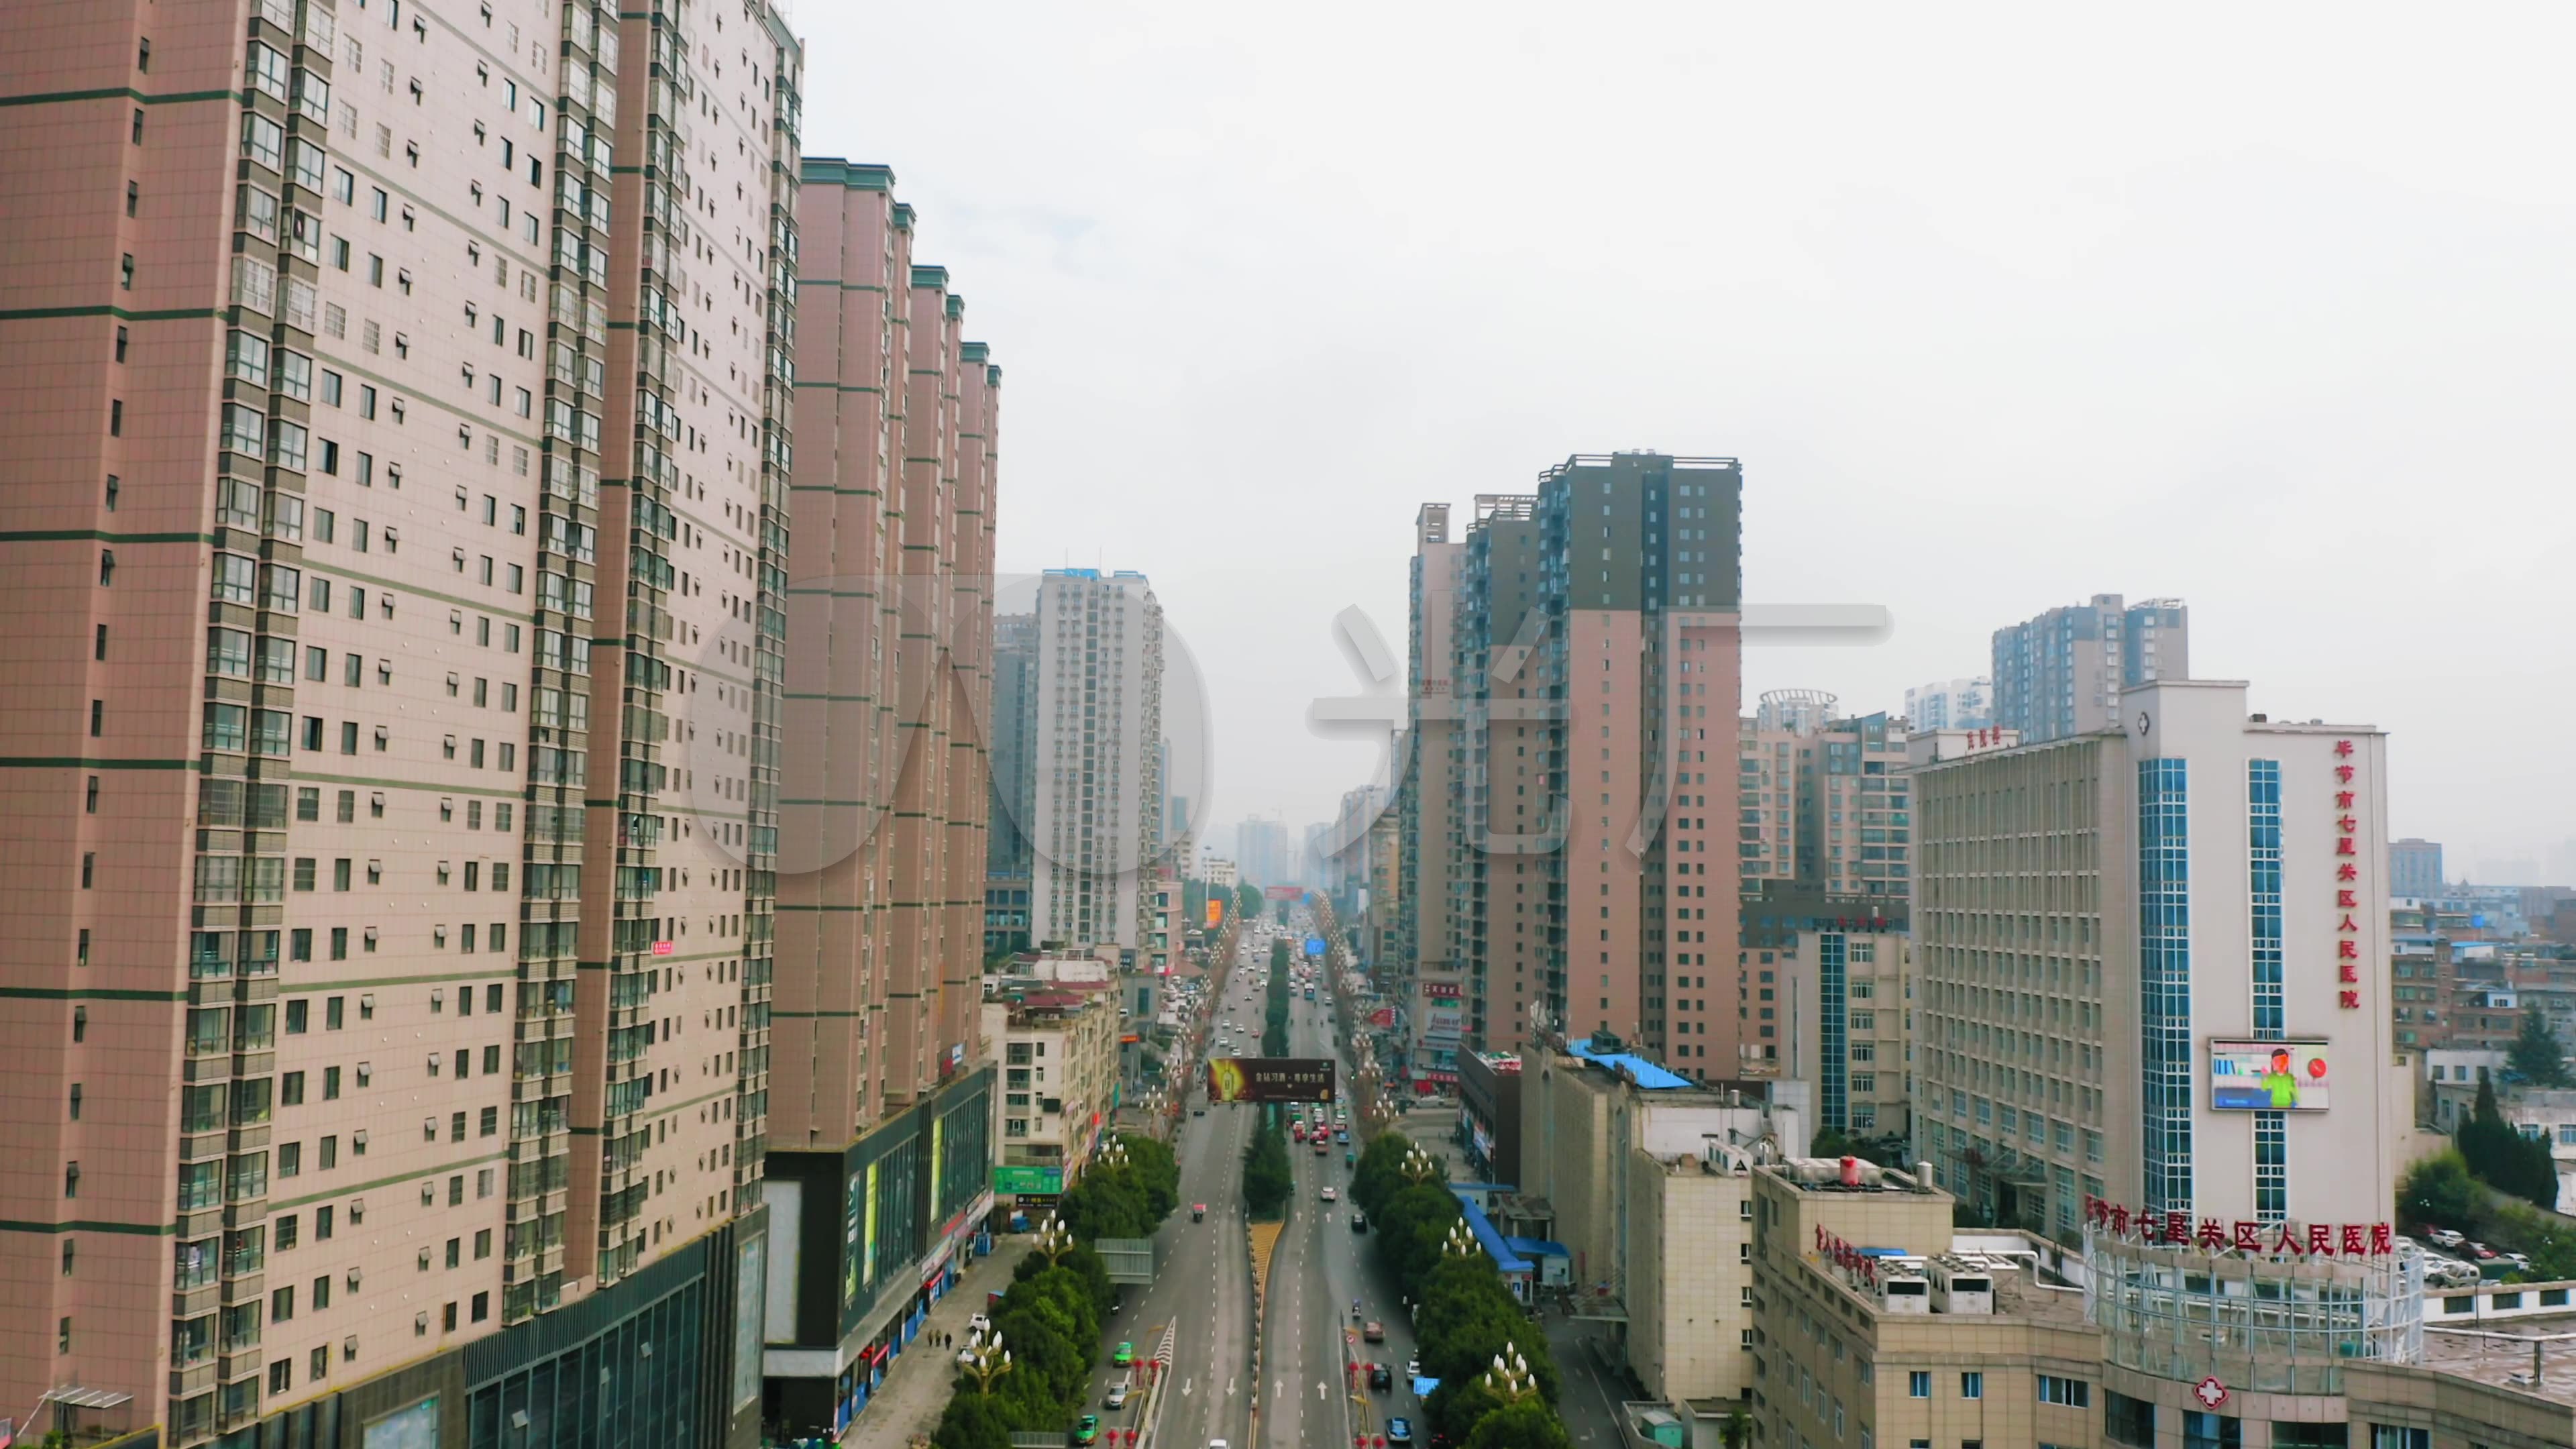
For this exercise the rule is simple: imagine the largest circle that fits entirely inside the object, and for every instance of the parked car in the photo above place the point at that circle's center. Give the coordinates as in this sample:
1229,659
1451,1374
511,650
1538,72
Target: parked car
979,1323
2443,1238
2481,1251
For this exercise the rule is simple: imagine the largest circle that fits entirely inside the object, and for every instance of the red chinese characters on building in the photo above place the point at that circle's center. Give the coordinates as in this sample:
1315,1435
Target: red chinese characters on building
1844,1255
2348,934
2178,1230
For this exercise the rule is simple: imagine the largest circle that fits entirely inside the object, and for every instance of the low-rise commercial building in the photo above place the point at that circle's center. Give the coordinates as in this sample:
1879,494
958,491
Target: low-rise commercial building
1057,1042
1877,1323
1644,1177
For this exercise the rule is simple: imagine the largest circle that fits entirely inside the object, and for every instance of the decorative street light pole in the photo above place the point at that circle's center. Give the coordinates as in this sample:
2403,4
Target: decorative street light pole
1054,1240
986,1359
1510,1379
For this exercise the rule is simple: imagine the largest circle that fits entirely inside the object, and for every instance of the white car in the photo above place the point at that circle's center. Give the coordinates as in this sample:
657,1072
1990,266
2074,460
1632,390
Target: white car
1329,1195
979,1324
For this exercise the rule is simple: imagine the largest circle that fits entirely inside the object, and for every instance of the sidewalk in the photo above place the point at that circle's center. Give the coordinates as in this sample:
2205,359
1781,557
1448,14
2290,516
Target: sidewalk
915,1392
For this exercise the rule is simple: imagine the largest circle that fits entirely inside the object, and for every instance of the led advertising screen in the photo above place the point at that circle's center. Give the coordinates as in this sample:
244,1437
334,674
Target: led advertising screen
1270,1079
2268,1076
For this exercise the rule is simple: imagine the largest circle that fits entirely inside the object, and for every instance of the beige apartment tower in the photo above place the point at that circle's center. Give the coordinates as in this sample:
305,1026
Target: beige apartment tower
397,396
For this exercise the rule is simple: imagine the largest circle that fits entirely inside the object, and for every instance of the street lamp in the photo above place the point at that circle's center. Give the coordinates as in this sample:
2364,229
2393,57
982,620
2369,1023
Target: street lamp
1419,1166
1460,1241
985,1358
1054,1240
1510,1379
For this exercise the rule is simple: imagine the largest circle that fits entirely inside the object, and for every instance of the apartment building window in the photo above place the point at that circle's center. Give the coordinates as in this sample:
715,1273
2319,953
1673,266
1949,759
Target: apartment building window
1972,1385
1918,1384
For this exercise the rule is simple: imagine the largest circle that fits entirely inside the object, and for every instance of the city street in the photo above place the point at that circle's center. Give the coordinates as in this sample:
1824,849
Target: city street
1322,1266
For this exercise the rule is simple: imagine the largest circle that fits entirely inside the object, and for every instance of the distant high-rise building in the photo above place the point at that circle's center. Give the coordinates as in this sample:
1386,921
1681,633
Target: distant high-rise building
1261,852
2061,673
1950,704
2113,930
365,781
1825,848
1099,816
1008,850
2415,868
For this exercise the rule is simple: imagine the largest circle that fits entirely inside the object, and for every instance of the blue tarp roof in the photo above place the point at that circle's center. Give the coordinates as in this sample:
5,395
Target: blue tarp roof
1648,1076
1493,1242
1538,1248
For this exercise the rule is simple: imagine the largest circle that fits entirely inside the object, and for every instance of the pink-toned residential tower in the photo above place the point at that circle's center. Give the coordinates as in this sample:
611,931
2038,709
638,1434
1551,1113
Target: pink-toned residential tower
395,536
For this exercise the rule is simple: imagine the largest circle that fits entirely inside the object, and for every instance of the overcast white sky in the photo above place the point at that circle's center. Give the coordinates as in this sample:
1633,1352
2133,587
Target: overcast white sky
2266,307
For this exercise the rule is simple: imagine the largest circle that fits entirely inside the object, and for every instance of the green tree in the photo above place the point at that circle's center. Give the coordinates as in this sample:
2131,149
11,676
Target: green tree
2502,1158
1247,901
1266,1181
2438,1192
1380,1172
973,1421
1527,1424
2535,1056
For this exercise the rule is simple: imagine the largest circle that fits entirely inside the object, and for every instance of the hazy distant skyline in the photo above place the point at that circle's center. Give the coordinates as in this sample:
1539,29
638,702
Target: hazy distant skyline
2000,309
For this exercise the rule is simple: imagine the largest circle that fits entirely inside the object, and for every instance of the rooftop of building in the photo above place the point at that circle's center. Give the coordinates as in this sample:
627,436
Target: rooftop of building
2500,1355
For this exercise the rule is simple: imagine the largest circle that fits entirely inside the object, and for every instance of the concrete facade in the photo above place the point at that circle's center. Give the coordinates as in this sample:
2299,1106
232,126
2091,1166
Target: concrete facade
1425,934
1850,1017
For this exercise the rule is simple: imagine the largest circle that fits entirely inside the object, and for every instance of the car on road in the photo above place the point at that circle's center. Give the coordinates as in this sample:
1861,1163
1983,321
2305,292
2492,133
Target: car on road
1125,1356
1359,1221
979,1323
1413,1367
1086,1429
1118,1393
1198,1212
1198,1111
1381,1377
1297,1130
1373,1331
1399,1430
1321,1146
1329,1194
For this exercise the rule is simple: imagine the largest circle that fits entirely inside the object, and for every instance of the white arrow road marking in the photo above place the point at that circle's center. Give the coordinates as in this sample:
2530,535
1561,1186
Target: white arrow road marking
1229,1388
1319,1390
1185,1388
1278,1388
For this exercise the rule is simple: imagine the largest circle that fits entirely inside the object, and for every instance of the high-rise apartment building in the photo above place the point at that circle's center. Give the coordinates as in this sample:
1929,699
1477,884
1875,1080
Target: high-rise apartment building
2153,967
2061,674
1098,821
1009,856
2415,869
1641,578
1502,821
1823,835
1262,852
882,1084
391,379
1950,704
1425,975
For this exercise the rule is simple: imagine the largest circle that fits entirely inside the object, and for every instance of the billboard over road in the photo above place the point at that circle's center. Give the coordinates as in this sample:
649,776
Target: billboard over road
1270,1079
2268,1076
1284,893
1216,911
